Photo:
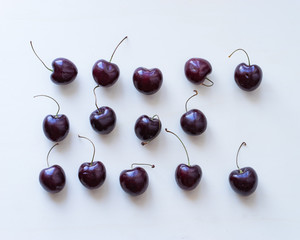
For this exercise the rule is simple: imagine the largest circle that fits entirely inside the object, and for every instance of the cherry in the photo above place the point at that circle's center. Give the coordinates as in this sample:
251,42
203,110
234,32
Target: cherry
135,181
147,81
193,122
147,128
92,174
103,119
196,71
106,73
243,180
56,127
187,177
63,72
52,179
247,77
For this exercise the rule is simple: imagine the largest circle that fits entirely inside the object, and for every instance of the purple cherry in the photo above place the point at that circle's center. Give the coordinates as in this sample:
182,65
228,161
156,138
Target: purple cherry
146,128
92,174
64,71
103,120
56,127
106,73
135,181
193,122
52,179
247,77
147,81
243,180
196,71
187,177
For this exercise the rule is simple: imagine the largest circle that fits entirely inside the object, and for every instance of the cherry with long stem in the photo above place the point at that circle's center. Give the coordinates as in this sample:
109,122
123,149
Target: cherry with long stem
196,93
237,155
240,49
51,70
117,48
58,107
49,153
94,149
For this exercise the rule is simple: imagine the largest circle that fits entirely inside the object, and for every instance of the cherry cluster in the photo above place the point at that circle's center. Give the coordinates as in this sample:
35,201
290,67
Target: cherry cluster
103,120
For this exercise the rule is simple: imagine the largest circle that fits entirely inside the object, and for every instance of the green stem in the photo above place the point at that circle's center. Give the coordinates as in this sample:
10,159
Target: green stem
93,147
196,93
237,154
51,70
49,153
117,48
58,107
143,164
240,49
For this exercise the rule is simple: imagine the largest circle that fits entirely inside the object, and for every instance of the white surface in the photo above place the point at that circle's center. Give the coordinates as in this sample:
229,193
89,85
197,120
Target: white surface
162,34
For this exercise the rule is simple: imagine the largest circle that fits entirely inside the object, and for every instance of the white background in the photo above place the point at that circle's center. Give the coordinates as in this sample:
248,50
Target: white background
163,34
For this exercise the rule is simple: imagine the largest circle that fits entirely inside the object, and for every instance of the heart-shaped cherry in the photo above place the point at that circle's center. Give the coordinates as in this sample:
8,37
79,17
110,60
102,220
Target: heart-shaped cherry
147,128
92,174
247,77
196,71
147,81
103,119
52,179
106,73
63,72
243,180
193,122
56,127
187,177
135,181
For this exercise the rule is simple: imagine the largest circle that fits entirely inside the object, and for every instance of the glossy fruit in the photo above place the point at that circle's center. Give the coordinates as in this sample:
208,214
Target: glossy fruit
197,69
147,81
53,179
103,120
92,175
188,177
247,77
146,128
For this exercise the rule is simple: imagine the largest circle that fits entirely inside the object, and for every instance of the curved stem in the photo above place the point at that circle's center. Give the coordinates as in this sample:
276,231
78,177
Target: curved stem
51,70
58,107
154,117
49,153
93,147
237,154
240,49
96,97
211,83
187,155
117,48
196,93
145,164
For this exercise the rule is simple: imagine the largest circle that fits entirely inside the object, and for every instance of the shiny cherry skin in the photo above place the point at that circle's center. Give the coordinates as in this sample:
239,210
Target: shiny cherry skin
134,181
53,179
92,175
103,120
56,127
197,69
188,177
193,122
64,71
243,181
105,73
248,77
147,81
146,128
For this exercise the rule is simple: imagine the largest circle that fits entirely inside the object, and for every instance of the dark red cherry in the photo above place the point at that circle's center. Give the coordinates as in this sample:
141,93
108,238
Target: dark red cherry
146,128
197,69
243,180
193,122
135,181
106,73
56,127
64,71
247,77
92,174
52,179
147,81
187,177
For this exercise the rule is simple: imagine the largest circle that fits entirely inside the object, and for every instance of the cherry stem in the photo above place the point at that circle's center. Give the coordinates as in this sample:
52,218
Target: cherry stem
58,107
240,49
49,153
51,70
93,147
154,117
237,154
117,48
196,93
211,83
96,97
187,155
145,164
